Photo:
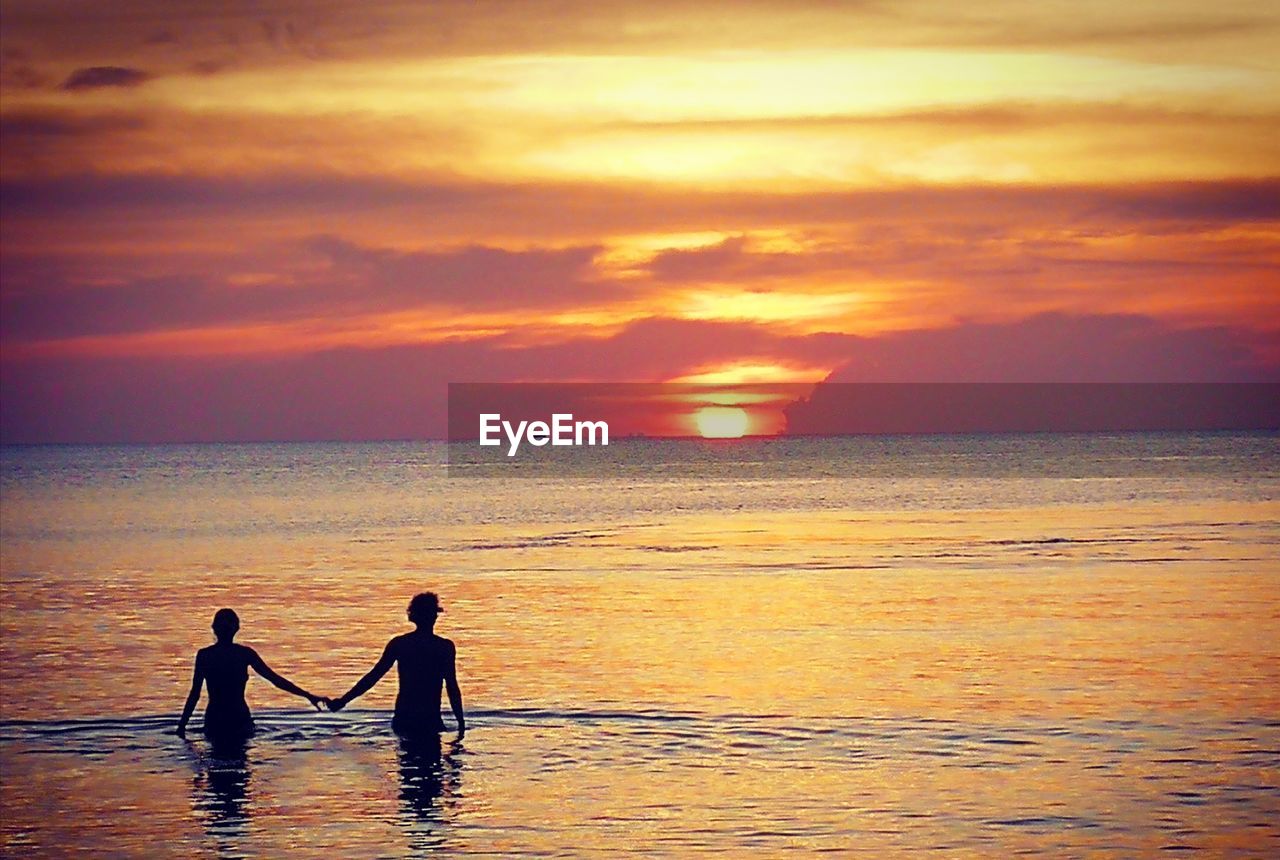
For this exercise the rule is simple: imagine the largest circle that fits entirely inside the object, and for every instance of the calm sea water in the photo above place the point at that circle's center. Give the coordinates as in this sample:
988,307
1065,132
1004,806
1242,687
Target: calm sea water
1050,644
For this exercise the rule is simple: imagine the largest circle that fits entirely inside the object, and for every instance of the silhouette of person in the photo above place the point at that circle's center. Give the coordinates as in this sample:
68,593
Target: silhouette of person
424,661
224,667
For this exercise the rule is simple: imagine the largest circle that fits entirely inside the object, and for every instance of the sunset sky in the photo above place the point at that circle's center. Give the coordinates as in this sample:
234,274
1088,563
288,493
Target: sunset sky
300,220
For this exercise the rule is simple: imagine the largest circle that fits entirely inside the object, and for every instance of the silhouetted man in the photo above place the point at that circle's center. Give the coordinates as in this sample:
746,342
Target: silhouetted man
224,667
424,661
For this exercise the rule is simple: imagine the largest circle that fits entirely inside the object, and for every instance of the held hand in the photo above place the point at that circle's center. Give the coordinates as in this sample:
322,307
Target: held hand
316,700
337,704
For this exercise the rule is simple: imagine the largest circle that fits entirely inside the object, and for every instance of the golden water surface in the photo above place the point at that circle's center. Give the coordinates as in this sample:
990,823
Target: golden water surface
1067,679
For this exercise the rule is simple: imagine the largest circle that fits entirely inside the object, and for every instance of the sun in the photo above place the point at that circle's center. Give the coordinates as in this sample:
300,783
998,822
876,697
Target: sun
721,422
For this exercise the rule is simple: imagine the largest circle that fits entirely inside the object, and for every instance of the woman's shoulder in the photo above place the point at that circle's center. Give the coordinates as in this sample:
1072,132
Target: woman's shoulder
231,651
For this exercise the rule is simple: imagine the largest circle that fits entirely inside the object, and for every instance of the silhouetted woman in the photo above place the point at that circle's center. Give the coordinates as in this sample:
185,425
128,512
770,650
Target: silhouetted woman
224,667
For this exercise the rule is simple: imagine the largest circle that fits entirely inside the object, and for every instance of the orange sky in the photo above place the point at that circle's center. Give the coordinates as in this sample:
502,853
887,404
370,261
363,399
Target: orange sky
301,219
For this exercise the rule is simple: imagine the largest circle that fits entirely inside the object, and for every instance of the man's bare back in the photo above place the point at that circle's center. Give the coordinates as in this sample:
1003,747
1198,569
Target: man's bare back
424,662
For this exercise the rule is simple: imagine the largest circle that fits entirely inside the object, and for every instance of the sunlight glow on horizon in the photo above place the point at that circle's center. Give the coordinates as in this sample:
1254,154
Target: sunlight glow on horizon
721,422
746,372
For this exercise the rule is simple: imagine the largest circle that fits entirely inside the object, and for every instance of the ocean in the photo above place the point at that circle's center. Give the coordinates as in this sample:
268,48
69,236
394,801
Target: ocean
1046,644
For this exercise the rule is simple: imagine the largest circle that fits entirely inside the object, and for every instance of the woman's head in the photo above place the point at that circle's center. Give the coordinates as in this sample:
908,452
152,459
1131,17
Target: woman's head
225,623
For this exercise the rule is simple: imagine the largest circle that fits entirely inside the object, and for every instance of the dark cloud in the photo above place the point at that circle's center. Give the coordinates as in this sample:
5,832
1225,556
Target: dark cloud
57,309
18,71
565,208
280,193
21,76
160,37
388,29
42,301
1242,200
210,67
475,276
99,77
39,126
694,264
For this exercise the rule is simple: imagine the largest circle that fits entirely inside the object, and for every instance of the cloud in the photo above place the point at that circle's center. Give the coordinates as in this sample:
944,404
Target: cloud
95,194
392,29
473,276
989,118
385,393
657,348
17,72
43,300
1242,201
99,77
872,277
834,409
399,392
1106,30
718,261
39,127
906,258
564,208
161,37
205,68
1056,347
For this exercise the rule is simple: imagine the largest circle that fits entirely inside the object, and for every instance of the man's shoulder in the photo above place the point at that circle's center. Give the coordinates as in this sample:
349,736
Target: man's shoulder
418,642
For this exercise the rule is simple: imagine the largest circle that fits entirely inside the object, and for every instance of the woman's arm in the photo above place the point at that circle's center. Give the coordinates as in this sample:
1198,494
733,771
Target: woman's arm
197,681
366,683
260,666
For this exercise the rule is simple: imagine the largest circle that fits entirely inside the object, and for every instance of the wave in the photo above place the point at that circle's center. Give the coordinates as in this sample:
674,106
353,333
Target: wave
1017,734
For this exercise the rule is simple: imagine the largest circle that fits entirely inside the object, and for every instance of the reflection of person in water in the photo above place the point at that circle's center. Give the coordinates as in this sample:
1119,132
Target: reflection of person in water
221,787
224,667
429,777
424,661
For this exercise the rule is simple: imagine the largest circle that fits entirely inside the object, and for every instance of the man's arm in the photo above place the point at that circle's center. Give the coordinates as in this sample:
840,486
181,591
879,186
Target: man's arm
366,683
197,681
455,692
260,666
